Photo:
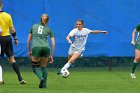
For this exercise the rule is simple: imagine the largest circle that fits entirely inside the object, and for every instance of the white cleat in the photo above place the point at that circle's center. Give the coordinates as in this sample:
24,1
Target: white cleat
22,82
133,75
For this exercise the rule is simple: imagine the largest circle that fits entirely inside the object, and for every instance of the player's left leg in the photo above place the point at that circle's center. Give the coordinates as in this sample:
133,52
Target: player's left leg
11,59
16,69
135,63
36,69
45,56
44,71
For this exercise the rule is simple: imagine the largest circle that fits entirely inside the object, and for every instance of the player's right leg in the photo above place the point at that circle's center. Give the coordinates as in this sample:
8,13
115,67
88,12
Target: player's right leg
135,63
71,60
59,71
2,55
15,66
1,80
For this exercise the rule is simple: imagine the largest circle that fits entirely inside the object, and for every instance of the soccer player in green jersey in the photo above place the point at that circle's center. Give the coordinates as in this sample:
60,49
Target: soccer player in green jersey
40,52
137,49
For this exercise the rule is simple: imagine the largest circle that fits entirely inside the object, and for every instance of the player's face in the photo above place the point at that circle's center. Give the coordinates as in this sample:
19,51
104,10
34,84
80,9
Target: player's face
79,25
44,19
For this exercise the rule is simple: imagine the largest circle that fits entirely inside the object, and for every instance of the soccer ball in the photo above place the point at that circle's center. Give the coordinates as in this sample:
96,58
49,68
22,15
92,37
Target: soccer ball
65,73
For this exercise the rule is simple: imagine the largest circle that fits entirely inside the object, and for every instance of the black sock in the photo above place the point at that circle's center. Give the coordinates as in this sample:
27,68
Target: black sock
16,69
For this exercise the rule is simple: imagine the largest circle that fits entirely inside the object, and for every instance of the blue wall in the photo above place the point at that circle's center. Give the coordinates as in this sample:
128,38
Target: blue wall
118,17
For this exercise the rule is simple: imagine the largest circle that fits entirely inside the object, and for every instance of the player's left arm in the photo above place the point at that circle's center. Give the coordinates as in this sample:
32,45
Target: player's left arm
52,39
99,31
53,48
12,30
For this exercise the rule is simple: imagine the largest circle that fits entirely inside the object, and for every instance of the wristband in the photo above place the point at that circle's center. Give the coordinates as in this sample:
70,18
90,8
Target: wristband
14,34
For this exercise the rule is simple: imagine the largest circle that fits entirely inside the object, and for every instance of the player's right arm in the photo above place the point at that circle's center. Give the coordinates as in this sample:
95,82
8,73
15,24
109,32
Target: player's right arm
133,36
68,39
71,34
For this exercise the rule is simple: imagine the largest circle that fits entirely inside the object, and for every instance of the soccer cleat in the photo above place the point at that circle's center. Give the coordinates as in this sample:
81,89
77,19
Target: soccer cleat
59,72
133,75
41,83
22,82
44,84
1,82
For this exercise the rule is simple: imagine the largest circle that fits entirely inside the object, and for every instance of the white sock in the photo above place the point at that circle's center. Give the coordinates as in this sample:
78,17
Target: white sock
66,66
0,73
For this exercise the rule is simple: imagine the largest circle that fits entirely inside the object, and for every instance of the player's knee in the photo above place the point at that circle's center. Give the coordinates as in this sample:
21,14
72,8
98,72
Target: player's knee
34,66
43,64
11,59
137,59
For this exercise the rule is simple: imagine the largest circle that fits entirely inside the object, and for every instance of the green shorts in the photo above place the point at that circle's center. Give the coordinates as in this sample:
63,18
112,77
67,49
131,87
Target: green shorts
137,46
38,52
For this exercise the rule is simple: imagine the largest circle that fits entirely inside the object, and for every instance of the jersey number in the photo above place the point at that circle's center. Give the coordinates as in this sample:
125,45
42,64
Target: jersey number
40,29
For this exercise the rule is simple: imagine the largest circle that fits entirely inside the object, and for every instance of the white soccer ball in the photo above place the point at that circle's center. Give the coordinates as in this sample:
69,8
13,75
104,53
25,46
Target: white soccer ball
65,73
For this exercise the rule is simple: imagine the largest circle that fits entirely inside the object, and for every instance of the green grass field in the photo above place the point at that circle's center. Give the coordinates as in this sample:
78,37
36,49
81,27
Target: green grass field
98,80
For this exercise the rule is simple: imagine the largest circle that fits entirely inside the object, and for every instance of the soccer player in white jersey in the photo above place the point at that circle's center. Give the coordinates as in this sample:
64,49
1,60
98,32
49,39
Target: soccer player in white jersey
77,47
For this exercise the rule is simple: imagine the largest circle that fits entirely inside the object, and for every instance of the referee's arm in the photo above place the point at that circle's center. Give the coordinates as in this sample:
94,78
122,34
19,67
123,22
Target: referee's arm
12,30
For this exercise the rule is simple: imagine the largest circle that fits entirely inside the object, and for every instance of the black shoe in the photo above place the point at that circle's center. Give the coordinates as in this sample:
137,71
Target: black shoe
59,72
41,83
22,82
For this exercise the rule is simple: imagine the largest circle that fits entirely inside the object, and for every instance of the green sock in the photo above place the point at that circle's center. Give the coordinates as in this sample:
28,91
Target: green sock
44,74
37,71
134,65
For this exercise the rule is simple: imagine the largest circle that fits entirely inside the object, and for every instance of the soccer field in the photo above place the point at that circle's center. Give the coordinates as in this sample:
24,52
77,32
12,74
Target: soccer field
80,81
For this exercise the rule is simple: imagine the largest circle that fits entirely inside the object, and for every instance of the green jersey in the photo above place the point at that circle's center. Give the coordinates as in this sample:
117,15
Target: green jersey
40,35
138,38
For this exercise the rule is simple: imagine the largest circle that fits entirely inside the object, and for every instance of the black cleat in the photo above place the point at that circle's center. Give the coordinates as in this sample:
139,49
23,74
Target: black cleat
22,82
41,83
59,72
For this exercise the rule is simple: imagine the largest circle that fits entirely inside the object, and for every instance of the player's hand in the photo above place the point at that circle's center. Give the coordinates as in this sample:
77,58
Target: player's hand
105,32
30,55
51,59
132,42
16,41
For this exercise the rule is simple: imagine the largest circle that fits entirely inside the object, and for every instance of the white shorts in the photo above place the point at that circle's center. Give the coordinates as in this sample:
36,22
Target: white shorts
73,50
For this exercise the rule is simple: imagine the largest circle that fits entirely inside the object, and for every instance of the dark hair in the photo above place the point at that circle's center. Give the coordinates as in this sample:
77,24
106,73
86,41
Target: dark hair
79,20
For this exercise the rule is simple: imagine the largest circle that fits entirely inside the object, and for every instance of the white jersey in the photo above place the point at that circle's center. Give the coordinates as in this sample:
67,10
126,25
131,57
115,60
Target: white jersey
80,38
